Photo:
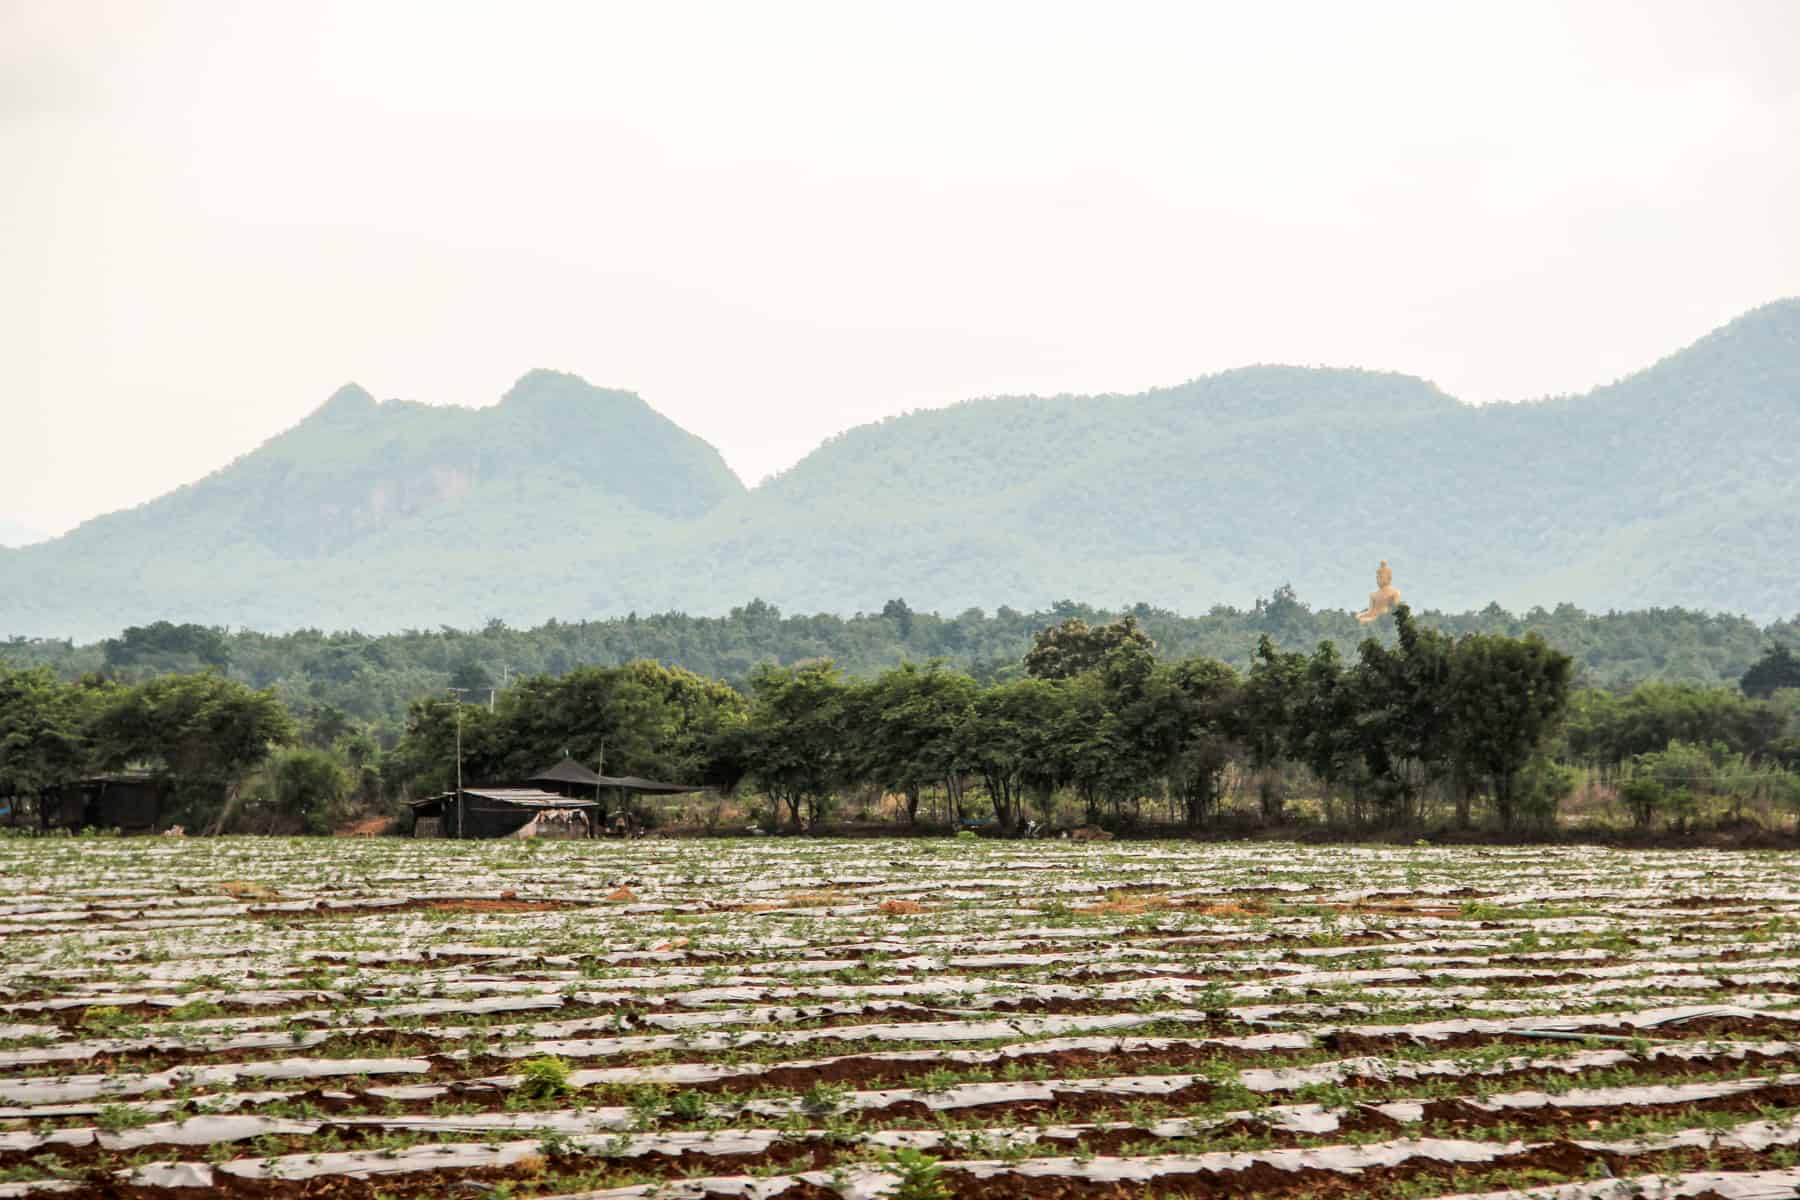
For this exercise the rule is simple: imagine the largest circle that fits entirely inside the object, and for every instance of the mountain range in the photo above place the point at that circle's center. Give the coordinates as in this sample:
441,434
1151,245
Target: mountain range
1676,486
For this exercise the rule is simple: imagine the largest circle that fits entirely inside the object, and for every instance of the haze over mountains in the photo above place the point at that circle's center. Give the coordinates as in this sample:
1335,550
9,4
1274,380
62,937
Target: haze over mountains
1678,485
14,534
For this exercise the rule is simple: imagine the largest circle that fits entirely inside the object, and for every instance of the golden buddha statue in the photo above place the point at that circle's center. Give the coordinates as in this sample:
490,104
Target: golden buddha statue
1384,598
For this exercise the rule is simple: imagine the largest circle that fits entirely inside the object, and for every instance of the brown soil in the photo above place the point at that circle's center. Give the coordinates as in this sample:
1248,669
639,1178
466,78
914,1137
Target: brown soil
421,1185
824,898
243,889
1127,906
1456,1114
1685,902
372,827
861,1073
1254,908
405,1043
1061,1006
437,904
1557,1160
1447,1117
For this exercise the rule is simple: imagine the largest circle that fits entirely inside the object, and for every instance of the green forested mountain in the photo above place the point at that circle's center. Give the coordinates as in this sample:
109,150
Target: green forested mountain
1673,487
385,514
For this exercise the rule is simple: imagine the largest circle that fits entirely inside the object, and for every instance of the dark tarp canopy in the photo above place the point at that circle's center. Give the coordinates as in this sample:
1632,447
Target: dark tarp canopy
572,774
635,783
567,771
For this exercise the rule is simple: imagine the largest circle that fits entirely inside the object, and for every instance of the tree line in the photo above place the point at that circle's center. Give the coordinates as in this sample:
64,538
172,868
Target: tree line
1092,724
1095,726
373,679
203,733
1098,721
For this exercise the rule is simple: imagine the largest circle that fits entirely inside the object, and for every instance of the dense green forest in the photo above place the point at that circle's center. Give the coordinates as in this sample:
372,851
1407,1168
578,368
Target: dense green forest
1672,487
1089,726
371,679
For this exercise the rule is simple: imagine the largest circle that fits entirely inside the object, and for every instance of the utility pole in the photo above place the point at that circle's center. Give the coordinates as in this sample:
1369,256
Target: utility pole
600,769
456,699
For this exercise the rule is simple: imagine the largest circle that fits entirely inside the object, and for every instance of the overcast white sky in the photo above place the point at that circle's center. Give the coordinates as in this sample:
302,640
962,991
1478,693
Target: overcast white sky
778,220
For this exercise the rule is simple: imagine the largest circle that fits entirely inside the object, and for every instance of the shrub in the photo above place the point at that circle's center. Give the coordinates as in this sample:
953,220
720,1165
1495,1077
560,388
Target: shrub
1542,787
1642,798
544,1078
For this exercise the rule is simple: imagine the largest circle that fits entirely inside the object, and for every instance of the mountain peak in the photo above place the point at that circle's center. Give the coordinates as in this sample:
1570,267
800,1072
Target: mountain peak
562,399
542,379
1750,364
351,400
1785,310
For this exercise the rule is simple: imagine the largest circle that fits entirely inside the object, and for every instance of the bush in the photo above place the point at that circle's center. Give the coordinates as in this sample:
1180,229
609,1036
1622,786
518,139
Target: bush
1542,787
305,791
1642,798
543,1078
1784,790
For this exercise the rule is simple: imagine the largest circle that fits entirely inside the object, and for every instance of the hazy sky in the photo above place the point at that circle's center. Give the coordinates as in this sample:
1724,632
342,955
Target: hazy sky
777,220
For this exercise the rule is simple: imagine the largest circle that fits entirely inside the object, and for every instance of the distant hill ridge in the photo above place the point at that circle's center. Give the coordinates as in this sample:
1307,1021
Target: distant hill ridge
1674,486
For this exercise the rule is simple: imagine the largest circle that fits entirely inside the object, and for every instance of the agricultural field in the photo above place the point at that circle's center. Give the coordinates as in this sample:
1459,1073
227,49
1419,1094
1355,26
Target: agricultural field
924,1019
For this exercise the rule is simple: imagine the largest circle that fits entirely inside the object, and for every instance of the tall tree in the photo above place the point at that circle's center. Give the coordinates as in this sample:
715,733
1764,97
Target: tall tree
1015,741
1192,725
1403,703
43,732
795,744
1508,696
1072,646
1272,698
203,732
1778,668
908,725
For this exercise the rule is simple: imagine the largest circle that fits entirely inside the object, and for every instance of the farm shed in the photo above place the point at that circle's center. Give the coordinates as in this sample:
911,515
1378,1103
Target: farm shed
496,812
131,801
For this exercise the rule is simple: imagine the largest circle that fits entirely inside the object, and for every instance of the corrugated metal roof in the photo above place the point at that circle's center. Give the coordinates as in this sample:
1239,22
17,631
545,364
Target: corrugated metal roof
527,798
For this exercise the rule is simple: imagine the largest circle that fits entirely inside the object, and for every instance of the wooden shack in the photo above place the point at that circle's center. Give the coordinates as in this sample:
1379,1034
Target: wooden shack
129,801
567,800
614,792
497,812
